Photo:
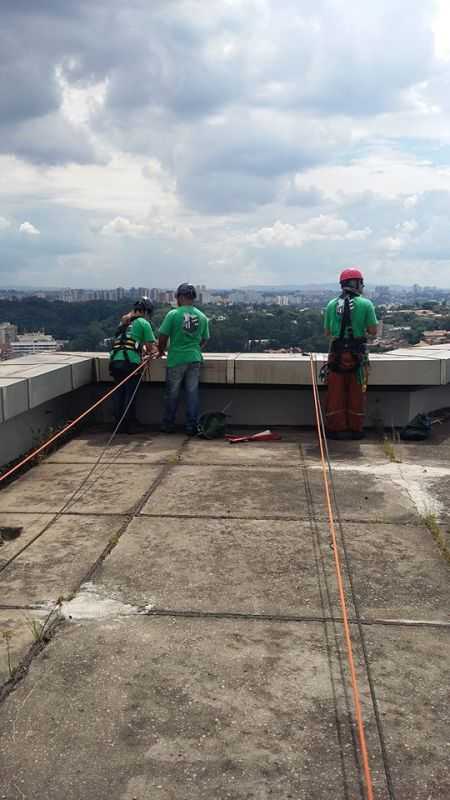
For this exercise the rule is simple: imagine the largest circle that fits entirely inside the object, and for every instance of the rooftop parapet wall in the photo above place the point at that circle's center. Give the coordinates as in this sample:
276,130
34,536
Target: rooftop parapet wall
41,391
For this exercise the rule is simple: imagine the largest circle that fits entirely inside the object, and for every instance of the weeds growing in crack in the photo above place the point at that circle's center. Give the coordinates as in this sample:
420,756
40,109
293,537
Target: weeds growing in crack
430,521
114,539
389,451
39,629
7,636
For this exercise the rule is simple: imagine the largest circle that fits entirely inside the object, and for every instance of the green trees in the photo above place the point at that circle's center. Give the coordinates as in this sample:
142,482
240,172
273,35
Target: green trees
85,326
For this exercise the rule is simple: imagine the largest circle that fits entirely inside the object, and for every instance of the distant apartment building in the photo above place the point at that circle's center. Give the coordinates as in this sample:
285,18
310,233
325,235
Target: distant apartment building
37,342
8,332
436,337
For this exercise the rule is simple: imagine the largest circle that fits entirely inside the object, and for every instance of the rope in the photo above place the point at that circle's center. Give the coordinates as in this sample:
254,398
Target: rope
359,623
70,425
79,488
342,599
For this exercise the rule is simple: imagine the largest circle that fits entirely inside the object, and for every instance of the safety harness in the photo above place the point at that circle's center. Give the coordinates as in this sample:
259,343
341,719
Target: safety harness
123,342
346,342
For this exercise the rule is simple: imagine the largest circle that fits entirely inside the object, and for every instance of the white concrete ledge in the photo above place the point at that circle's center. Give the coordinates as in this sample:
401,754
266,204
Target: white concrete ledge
27,382
269,389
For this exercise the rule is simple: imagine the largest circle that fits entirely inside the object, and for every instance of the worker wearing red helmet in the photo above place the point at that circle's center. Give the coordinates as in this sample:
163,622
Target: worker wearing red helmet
349,318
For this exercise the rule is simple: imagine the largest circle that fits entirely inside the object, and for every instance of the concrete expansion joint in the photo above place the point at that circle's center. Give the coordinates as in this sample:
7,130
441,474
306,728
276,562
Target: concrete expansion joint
94,605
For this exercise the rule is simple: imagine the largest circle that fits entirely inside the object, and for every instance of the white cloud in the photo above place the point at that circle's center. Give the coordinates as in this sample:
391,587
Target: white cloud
401,238
392,244
411,201
28,229
275,150
321,228
124,227
156,226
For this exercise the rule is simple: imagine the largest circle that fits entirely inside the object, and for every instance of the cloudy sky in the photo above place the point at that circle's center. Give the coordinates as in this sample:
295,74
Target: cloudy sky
228,142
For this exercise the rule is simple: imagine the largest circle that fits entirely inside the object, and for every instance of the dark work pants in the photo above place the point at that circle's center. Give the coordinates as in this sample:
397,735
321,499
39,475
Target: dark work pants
121,398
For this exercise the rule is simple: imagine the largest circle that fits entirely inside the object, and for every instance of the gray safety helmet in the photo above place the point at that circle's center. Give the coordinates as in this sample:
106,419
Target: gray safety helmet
144,305
186,290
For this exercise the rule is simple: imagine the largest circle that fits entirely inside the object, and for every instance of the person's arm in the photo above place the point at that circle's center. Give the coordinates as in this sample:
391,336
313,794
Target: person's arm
165,331
150,349
372,322
128,317
205,334
147,338
162,344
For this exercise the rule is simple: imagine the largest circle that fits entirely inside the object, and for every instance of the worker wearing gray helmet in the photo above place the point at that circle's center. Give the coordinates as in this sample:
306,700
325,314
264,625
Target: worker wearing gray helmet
133,341
185,331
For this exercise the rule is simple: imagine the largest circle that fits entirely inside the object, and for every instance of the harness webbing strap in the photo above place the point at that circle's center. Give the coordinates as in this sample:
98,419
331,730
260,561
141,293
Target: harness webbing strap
346,342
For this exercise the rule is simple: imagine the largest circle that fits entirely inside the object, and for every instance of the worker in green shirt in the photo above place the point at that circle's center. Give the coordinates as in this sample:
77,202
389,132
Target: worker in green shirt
348,320
185,330
133,341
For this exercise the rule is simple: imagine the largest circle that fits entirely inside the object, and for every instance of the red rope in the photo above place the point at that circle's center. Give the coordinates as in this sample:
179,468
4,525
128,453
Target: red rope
340,582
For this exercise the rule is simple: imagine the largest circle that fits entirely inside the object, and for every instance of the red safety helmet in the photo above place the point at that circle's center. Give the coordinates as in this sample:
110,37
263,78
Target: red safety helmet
351,274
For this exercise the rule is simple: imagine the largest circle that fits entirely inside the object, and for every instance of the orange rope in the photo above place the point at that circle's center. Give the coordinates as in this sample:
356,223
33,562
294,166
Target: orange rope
337,561
71,424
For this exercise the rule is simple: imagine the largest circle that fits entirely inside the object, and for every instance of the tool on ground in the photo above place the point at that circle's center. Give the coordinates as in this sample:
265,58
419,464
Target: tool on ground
263,436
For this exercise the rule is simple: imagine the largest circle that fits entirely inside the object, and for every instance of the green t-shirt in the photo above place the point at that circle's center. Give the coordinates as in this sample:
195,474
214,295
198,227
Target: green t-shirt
362,313
186,328
142,332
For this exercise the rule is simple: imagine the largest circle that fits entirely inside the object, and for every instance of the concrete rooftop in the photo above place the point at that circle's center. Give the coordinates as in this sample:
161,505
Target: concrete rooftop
197,649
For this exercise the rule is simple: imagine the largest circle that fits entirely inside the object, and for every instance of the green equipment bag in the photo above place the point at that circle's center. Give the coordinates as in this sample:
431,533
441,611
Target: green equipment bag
212,425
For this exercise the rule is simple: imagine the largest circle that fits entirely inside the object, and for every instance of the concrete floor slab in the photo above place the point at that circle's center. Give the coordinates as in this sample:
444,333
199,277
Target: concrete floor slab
187,709
17,635
57,562
230,491
397,572
260,493
48,487
411,670
29,525
439,488
124,449
214,565
200,451
345,452
423,453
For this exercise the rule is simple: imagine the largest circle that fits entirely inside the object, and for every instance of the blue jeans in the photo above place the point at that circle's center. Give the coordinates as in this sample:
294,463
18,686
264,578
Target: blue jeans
187,375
